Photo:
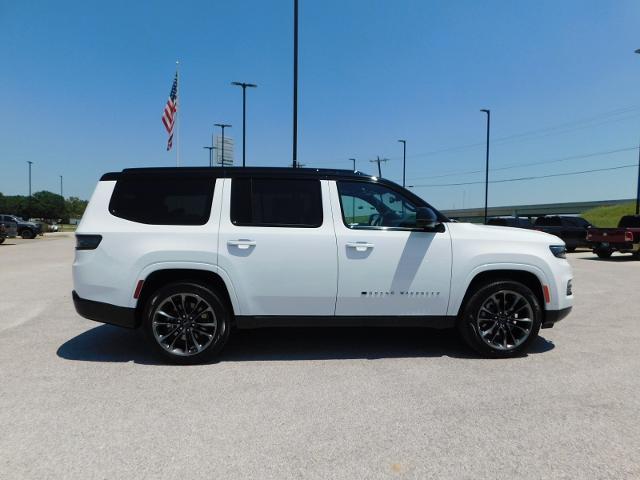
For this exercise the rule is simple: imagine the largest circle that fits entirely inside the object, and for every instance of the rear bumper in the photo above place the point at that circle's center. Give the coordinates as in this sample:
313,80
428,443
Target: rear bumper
105,312
552,317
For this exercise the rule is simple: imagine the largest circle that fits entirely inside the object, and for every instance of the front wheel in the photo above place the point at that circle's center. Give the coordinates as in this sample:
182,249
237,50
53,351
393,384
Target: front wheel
27,234
501,319
187,323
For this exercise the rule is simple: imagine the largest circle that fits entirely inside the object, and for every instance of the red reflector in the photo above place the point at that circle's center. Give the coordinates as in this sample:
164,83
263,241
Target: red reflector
628,236
547,296
136,294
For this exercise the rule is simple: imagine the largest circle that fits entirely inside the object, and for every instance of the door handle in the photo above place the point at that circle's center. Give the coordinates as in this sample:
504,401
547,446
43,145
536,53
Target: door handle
360,246
242,243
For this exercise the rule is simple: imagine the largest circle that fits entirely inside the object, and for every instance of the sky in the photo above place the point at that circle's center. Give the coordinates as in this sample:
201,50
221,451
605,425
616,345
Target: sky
84,84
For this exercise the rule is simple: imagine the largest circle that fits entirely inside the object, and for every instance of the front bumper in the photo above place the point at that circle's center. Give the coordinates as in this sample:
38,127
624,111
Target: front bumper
105,312
552,317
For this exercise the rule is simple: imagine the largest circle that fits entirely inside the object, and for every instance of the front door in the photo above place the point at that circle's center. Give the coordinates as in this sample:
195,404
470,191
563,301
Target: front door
387,266
277,244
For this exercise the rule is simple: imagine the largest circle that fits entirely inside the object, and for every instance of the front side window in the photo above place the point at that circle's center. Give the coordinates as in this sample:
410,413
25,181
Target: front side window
369,205
271,202
163,201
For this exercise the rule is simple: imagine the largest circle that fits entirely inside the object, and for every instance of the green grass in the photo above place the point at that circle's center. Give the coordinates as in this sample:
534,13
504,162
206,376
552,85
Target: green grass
608,216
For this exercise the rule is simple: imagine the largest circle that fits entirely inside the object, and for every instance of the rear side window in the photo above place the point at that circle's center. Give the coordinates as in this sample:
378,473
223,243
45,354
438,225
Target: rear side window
163,201
266,202
630,221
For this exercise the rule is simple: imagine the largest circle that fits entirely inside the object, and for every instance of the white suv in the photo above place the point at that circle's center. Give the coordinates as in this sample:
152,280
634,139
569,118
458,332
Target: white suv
188,253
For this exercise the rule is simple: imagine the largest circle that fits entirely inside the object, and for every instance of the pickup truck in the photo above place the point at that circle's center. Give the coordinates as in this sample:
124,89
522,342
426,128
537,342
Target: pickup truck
624,239
573,230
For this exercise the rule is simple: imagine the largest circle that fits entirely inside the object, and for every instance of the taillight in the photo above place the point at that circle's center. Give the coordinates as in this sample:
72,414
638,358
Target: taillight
87,242
628,236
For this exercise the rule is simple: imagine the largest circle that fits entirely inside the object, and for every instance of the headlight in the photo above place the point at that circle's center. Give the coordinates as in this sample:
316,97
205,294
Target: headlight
559,251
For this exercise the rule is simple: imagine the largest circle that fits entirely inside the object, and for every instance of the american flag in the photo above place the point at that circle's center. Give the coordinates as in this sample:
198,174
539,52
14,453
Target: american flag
169,115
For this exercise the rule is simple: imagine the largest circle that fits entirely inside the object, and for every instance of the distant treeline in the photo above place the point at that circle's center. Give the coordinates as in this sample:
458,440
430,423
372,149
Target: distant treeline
45,205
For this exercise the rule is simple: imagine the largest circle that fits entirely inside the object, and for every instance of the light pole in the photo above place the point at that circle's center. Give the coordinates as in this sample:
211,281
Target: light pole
404,160
244,113
30,163
222,126
211,149
295,84
638,191
486,177
354,163
61,191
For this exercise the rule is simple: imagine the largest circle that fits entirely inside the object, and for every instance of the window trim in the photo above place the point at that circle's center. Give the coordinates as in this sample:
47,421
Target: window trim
274,225
374,227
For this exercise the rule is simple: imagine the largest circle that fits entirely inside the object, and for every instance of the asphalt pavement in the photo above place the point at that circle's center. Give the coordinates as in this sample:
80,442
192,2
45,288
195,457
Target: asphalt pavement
81,400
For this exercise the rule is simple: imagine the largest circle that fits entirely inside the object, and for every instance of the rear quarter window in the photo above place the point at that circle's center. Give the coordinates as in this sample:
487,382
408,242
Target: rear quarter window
163,201
630,221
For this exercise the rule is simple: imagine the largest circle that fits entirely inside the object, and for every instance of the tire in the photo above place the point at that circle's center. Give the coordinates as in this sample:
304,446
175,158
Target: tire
180,338
603,253
27,234
508,333
1,239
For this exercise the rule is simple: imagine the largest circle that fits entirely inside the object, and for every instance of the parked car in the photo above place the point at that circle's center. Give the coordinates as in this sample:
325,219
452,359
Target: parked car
518,222
10,225
25,229
186,254
573,230
624,239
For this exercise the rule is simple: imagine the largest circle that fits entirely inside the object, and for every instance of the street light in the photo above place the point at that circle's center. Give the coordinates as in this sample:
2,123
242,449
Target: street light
244,112
30,163
211,149
404,159
638,191
295,84
222,126
61,191
486,177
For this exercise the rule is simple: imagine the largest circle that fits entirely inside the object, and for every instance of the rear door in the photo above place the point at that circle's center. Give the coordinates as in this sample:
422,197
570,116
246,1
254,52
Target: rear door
387,267
277,244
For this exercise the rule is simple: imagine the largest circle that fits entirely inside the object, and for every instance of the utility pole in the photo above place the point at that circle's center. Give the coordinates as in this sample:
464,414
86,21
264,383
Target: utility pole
404,161
211,149
378,161
295,84
354,163
222,126
486,177
30,163
61,191
244,113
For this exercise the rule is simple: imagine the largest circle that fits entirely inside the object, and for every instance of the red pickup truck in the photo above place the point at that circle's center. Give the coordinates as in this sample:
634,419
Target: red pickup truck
624,239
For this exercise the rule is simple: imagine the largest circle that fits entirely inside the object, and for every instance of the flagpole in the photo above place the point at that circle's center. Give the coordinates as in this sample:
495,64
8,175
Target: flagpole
177,115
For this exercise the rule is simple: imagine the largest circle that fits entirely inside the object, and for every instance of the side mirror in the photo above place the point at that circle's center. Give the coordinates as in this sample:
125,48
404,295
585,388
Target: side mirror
426,218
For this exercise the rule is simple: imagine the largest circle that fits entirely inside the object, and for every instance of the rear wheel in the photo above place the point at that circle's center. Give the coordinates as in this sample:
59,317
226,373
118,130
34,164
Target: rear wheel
603,252
501,319
27,234
187,323
1,239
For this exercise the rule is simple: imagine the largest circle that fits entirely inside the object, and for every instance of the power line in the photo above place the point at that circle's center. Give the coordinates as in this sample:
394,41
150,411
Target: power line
529,164
600,119
580,172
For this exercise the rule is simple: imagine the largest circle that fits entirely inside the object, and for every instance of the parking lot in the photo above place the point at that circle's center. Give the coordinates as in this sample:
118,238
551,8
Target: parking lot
83,400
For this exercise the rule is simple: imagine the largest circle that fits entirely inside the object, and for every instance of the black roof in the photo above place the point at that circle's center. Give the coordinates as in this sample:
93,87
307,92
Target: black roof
215,172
